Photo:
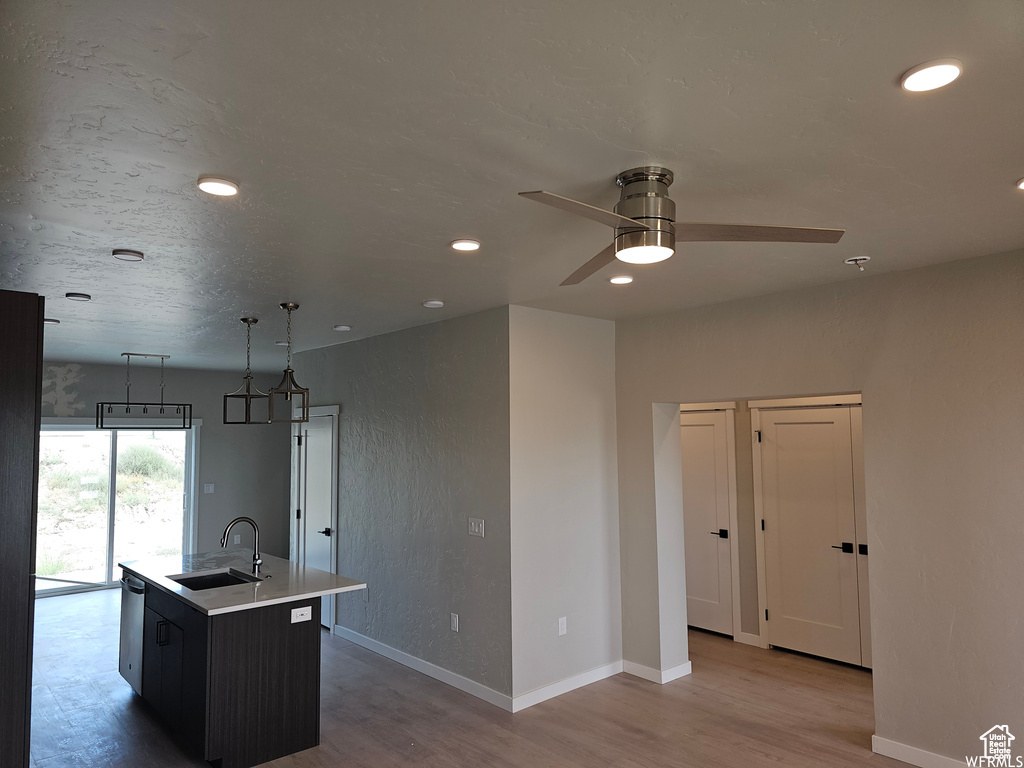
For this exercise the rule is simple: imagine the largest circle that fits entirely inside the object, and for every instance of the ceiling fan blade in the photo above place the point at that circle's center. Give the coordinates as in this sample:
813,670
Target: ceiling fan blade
600,215
697,232
603,259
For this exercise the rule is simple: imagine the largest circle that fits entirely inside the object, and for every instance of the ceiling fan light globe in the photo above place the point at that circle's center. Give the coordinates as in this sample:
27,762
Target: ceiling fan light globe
644,254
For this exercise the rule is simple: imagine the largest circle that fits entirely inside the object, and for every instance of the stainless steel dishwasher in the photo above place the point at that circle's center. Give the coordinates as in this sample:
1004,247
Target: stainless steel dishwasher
133,608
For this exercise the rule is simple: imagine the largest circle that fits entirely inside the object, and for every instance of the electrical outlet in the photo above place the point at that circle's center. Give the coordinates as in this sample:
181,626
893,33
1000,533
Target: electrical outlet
302,614
455,622
238,538
208,488
476,527
561,626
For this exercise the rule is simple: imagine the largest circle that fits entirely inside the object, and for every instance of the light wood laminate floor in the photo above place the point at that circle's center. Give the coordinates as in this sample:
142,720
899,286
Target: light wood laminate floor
742,707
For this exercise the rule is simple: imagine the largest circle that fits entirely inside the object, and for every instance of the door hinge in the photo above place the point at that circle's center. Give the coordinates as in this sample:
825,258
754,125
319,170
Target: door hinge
766,614
298,514
758,433
762,523
300,440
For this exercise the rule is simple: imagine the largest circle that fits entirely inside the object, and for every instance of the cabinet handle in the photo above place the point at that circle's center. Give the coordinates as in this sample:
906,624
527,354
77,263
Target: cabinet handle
161,633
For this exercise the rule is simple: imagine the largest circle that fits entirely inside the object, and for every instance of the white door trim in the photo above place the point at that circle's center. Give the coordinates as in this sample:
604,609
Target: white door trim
724,405
762,592
806,402
734,526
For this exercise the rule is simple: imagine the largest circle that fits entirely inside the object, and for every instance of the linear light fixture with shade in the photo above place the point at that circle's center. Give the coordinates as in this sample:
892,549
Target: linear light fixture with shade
123,414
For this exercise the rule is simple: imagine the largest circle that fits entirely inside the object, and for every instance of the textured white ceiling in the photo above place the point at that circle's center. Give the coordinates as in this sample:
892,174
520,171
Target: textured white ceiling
366,136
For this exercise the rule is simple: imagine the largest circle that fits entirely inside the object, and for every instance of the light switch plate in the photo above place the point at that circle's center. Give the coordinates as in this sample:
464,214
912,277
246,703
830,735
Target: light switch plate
302,614
476,527
562,627
455,622
208,488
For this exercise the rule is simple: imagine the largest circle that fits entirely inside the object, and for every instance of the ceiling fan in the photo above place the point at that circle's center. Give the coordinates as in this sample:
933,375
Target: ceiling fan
646,229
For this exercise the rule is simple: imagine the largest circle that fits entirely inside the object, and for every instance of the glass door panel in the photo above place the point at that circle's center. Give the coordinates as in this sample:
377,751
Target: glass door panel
74,479
149,495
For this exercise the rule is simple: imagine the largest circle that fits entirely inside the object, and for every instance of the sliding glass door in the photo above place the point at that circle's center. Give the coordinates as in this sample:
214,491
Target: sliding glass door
106,496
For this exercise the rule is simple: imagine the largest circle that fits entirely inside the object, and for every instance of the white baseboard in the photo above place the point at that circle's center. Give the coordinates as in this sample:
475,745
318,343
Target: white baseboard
660,676
537,695
912,755
747,639
510,703
471,687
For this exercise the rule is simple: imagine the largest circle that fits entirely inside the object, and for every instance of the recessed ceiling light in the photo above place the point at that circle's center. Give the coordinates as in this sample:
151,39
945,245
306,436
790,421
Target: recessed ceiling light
433,303
124,254
1020,184
931,75
51,321
215,185
281,343
78,296
466,245
620,280
857,261
343,327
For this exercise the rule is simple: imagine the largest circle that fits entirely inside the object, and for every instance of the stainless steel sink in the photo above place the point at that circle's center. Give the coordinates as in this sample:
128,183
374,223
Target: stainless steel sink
224,577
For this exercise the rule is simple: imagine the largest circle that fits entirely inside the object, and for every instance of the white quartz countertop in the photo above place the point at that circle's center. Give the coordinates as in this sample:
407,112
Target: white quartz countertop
281,581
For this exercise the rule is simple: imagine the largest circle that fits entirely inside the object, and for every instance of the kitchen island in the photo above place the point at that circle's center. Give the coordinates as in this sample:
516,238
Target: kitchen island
229,662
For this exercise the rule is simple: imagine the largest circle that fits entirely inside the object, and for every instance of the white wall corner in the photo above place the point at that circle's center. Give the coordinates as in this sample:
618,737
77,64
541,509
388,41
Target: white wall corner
464,684
660,676
536,696
912,755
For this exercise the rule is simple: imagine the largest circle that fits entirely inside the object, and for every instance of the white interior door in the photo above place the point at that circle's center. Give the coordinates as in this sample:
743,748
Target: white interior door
315,492
810,537
706,516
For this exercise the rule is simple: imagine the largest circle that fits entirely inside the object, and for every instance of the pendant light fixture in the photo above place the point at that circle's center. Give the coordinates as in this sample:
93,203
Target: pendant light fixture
247,395
123,412
289,389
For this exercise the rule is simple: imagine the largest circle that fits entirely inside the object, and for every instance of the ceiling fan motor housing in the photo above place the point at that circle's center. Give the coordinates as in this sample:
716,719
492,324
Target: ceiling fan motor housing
644,197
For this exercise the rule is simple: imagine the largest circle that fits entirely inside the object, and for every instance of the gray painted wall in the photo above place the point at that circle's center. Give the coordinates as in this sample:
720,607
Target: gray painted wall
424,446
936,354
249,465
564,496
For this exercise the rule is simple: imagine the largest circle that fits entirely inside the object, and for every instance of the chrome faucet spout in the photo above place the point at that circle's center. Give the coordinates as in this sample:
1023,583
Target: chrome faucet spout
257,560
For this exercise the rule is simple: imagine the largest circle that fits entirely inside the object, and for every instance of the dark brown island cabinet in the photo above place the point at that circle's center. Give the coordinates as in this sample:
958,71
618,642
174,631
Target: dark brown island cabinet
235,685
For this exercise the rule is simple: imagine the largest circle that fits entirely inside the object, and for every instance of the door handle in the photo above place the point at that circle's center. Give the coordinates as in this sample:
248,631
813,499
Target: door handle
722,533
847,547
325,531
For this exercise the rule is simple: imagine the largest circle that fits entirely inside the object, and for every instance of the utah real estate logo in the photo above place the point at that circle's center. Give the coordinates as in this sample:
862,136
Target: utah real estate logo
998,750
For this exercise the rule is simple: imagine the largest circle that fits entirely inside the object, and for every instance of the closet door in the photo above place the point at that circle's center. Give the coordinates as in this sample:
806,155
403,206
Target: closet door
810,536
706,524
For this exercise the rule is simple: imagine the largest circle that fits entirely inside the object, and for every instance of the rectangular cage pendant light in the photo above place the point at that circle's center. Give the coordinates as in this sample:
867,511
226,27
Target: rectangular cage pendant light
247,404
141,415
289,402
